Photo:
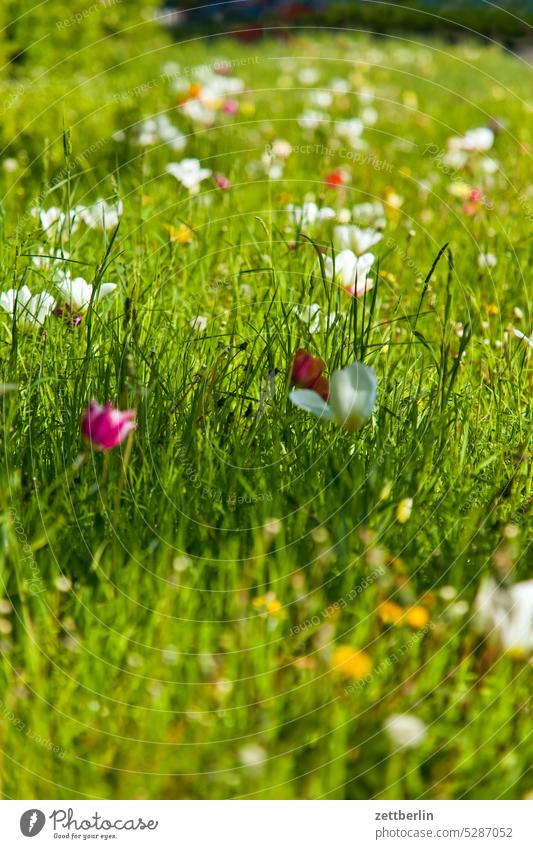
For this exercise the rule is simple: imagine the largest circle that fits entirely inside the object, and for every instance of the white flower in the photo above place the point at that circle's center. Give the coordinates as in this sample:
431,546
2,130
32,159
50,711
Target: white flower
252,755
312,315
53,220
189,173
311,119
77,293
309,213
355,238
339,85
519,335
308,76
158,129
369,213
455,158
405,730
199,323
198,112
489,165
506,613
350,129
481,139
350,271
487,260
281,148
10,164
50,260
352,396
28,309
100,215
320,98
369,115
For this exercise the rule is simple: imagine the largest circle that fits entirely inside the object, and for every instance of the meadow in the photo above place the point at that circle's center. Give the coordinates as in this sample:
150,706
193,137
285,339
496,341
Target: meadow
241,600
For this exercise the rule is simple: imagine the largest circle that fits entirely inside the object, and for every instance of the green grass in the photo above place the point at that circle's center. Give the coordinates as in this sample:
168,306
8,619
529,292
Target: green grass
151,672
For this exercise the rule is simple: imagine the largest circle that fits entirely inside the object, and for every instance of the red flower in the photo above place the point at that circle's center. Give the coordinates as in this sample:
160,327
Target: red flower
336,178
306,373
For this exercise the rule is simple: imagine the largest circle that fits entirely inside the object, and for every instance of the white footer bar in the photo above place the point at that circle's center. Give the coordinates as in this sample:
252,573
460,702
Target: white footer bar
268,824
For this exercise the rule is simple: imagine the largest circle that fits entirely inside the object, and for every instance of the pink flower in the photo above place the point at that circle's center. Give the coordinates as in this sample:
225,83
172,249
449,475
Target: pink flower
106,427
230,106
222,182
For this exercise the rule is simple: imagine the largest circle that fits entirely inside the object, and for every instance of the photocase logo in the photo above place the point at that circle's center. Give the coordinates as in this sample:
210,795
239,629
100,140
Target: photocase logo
32,822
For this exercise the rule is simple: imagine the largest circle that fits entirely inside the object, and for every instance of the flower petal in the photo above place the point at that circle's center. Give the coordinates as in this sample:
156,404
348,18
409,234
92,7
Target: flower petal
311,402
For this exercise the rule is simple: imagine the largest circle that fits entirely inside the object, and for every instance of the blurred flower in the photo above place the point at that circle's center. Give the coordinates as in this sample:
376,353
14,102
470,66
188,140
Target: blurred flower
252,755
100,215
281,148
350,130
311,119
417,616
487,260
183,235
357,239
230,106
506,614
350,271
390,613
352,396
404,510
306,373
222,182
369,214
267,604
10,164
28,310
106,427
199,323
160,129
77,293
527,339
309,213
189,173
405,730
337,177
50,260
53,220
480,139
350,662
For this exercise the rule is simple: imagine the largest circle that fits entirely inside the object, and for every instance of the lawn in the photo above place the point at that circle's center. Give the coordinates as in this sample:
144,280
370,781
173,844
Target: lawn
241,599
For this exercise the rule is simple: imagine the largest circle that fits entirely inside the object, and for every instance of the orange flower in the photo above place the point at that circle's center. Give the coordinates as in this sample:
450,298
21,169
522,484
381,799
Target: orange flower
417,616
350,662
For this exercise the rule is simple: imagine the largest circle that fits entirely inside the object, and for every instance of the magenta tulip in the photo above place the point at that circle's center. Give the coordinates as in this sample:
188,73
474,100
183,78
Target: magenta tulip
106,427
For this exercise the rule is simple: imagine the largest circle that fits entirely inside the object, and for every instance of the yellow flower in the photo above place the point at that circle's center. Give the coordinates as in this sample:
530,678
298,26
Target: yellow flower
404,510
268,604
417,616
350,662
389,612
386,490
410,99
183,235
492,309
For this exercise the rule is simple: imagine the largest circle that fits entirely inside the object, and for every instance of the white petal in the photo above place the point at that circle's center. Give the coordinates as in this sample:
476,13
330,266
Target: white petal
106,289
352,395
311,402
